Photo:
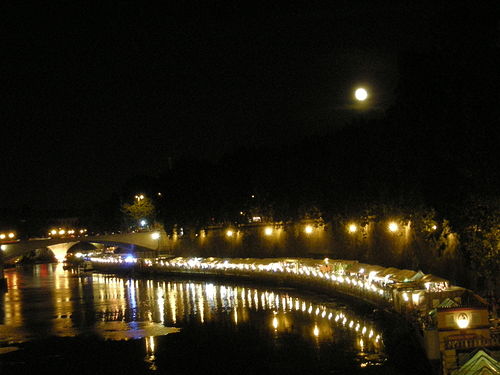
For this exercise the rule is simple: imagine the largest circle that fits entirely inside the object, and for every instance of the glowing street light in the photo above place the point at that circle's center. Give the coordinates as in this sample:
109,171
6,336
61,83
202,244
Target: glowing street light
361,94
3,236
308,229
268,231
352,228
393,227
229,233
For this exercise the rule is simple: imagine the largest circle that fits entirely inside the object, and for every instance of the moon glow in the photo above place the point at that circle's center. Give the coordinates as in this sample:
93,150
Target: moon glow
361,94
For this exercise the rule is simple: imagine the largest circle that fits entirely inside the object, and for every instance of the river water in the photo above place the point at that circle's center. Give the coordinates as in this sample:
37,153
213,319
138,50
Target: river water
58,321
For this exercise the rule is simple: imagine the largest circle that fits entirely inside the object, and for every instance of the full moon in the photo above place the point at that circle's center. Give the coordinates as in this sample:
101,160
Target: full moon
361,94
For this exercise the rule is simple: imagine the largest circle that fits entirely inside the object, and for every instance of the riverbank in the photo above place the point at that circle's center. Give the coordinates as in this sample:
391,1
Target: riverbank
94,323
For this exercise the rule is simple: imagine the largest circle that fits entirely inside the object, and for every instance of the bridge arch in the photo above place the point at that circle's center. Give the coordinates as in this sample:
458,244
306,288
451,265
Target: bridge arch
61,249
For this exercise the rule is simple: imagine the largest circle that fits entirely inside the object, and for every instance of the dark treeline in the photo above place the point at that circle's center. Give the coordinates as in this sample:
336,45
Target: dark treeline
368,164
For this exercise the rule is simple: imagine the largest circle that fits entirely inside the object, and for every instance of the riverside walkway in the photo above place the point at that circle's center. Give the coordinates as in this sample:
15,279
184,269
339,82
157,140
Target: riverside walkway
402,290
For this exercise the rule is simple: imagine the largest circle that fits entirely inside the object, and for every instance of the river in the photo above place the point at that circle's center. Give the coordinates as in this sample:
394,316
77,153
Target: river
58,321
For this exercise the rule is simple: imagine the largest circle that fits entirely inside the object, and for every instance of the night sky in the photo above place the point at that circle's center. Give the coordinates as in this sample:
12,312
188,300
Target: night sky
94,96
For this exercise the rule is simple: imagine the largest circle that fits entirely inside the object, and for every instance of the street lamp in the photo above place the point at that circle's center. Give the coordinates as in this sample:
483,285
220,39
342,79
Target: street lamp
393,227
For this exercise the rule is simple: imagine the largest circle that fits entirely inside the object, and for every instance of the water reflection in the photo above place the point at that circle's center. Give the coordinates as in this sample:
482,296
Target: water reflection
150,352
47,301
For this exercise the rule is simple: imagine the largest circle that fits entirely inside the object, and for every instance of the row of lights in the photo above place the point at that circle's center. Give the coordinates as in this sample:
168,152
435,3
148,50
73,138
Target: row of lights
62,231
372,283
10,235
268,231
392,227
140,197
304,270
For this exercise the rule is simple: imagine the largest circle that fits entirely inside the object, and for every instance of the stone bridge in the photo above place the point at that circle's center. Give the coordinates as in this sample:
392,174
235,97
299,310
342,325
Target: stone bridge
153,241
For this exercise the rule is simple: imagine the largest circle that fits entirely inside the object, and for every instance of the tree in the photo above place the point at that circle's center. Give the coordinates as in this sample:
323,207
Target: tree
142,208
480,237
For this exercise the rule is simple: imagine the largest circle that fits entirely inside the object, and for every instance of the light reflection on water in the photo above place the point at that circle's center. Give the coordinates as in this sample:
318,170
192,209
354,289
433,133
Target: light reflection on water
46,300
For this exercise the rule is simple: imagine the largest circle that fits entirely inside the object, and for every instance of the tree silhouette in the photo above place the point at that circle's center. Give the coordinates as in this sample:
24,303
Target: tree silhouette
142,208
